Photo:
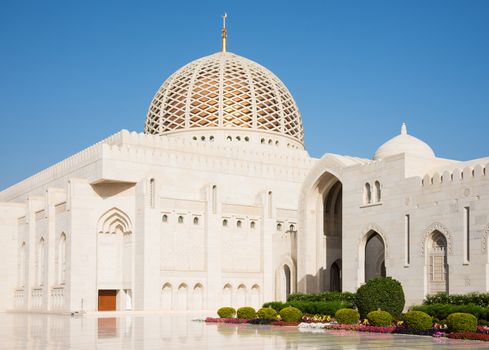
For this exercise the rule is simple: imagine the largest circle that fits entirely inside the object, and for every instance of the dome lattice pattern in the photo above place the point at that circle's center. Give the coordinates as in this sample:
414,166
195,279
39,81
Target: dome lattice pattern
224,90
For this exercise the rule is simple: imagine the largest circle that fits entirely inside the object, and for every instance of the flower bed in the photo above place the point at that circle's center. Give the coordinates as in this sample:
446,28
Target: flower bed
469,336
360,328
283,323
483,329
225,320
433,332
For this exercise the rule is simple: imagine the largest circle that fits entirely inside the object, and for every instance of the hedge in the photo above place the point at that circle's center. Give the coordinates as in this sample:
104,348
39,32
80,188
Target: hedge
480,299
441,311
312,307
323,296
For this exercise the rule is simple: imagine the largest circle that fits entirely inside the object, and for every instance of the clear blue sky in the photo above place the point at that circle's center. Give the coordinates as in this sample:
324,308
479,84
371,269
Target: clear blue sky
74,72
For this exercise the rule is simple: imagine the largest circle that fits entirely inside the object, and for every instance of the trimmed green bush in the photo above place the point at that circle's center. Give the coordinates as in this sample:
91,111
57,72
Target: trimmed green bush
347,316
462,322
226,312
441,311
291,314
267,313
383,293
379,318
246,313
418,320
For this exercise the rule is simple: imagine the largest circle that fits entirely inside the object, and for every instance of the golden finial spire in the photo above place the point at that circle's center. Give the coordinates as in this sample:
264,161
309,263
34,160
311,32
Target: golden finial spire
224,33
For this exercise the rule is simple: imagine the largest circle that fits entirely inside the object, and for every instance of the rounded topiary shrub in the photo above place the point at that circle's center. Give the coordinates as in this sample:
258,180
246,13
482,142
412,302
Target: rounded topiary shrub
379,318
267,313
226,312
418,320
384,293
347,316
462,322
246,312
291,314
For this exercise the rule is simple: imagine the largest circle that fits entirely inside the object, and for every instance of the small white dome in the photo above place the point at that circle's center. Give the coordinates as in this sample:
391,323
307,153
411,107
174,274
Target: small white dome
404,143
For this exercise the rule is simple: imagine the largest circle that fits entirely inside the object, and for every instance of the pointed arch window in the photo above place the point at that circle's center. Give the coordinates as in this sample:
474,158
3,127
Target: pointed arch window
62,259
40,262
367,194
378,193
22,255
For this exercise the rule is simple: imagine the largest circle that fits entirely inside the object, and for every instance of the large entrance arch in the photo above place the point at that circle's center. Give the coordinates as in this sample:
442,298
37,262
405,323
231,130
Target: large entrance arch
320,233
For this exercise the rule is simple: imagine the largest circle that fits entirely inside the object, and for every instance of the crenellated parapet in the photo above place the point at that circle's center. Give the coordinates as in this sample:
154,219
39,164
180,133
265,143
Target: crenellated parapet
467,174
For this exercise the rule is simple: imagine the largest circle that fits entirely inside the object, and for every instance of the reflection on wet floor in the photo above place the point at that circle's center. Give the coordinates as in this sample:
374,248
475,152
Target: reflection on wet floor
177,331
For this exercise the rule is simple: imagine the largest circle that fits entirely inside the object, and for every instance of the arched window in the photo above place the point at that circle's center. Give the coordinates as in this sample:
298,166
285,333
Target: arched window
239,224
279,227
164,218
62,259
22,255
180,219
367,194
437,263
152,193
225,223
270,198
291,228
214,199
252,225
40,262
196,220
378,194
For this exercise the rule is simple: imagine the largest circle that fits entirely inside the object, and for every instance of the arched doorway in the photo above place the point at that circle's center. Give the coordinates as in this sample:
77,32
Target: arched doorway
255,296
285,282
437,264
114,261
182,297
198,297
166,297
241,296
227,295
374,256
332,231
335,276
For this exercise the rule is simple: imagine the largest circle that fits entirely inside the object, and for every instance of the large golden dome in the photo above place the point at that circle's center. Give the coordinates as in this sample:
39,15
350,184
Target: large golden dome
225,91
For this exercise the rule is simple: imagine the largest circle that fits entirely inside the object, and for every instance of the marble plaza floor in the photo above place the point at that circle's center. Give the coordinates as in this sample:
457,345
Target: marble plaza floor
144,331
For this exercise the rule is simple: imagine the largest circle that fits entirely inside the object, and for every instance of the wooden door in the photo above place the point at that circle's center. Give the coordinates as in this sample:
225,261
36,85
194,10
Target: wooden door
107,299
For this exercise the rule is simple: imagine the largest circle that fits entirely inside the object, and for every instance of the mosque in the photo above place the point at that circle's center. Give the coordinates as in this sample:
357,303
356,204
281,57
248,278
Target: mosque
218,203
